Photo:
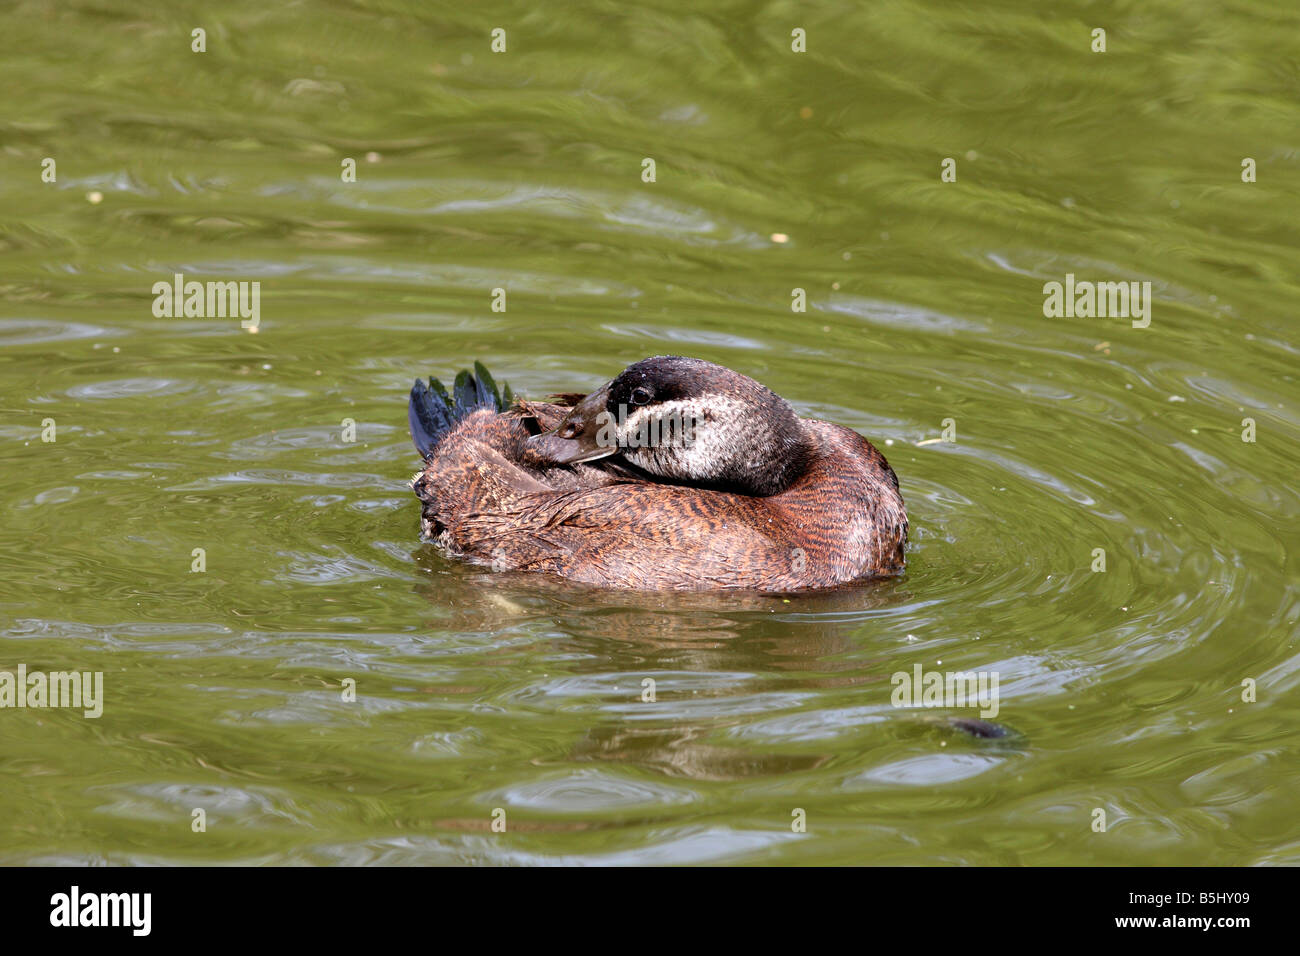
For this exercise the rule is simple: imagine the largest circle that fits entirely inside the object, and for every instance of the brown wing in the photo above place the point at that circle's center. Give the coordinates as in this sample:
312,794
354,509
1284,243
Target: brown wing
633,534
485,465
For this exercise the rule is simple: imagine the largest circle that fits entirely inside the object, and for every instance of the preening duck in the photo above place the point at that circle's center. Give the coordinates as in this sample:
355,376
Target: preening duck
677,474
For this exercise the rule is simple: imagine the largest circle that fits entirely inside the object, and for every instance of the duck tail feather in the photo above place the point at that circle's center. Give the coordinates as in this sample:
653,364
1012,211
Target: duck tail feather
462,391
487,394
429,413
433,412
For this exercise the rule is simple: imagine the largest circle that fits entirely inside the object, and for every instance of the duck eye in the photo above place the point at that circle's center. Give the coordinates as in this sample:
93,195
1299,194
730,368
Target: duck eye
640,395
570,430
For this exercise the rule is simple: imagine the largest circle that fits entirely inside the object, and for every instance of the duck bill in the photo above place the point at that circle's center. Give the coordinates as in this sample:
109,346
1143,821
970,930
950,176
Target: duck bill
567,451
590,439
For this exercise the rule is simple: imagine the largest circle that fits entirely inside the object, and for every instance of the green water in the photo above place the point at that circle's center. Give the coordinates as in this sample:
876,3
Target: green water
523,170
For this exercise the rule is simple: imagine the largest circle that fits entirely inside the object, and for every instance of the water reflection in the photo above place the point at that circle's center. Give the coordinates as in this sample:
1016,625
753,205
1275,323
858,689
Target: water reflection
718,663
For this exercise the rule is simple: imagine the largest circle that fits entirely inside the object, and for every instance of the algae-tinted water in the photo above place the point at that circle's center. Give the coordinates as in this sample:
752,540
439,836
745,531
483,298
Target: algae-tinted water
1074,440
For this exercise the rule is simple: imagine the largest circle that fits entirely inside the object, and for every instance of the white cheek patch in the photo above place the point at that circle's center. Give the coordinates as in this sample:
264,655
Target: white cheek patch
693,446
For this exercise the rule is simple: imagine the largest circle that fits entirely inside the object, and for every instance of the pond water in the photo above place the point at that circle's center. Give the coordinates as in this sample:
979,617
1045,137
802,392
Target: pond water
1031,449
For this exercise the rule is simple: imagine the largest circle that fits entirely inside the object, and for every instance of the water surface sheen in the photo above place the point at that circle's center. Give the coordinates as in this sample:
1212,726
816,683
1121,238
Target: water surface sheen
776,170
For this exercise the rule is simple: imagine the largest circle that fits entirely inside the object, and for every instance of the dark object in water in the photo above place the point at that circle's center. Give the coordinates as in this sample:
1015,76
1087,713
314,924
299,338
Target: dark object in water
979,728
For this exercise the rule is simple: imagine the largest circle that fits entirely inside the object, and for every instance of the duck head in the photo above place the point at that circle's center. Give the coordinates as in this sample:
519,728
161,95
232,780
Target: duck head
686,421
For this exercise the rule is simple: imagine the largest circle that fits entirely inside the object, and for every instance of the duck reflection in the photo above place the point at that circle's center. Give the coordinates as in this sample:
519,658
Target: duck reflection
755,644
694,630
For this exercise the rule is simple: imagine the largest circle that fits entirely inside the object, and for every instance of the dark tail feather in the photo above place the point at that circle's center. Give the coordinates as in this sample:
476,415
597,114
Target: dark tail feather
485,390
432,412
429,414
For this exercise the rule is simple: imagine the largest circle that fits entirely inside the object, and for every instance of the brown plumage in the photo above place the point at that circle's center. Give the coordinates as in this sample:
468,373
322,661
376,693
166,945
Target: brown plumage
678,474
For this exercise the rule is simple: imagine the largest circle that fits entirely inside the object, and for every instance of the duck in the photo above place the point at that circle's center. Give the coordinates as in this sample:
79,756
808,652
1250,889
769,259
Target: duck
678,474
